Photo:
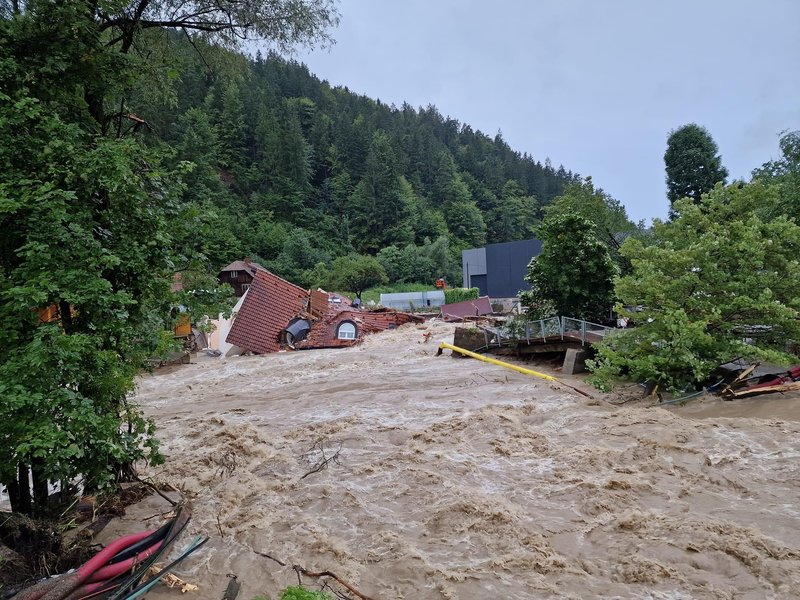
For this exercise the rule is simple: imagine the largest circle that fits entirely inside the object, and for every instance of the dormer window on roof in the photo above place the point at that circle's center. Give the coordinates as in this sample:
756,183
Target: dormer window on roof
346,331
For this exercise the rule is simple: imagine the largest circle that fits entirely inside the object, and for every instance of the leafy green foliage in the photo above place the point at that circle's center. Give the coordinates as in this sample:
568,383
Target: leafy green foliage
573,274
785,173
425,263
452,295
65,385
355,273
718,282
512,216
692,163
611,223
301,593
96,223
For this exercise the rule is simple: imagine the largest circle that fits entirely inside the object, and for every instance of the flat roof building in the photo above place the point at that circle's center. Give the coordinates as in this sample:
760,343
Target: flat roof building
498,270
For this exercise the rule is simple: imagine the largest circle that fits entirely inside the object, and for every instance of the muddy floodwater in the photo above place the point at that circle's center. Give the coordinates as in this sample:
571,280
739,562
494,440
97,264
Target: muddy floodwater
457,479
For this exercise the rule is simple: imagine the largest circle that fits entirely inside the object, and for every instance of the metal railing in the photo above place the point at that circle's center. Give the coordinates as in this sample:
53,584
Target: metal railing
545,330
584,329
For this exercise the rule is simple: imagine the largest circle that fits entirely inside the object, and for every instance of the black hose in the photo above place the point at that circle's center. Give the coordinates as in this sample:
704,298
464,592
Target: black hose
180,521
131,551
167,569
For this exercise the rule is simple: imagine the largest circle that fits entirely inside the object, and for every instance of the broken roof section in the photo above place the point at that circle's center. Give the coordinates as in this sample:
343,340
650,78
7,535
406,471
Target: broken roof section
327,333
467,308
273,307
271,303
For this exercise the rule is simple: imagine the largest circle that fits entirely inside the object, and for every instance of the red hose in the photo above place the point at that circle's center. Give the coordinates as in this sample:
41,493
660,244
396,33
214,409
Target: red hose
61,587
107,553
91,590
111,571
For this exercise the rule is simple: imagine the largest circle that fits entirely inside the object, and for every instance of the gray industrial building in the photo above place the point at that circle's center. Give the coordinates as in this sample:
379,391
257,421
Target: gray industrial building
498,270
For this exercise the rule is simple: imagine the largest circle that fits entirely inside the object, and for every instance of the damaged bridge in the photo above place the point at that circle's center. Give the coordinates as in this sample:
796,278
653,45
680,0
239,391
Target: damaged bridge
571,336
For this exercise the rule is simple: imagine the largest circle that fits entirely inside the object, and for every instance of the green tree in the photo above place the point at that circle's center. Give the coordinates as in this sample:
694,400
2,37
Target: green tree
448,186
298,258
355,273
94,227
378,209
716,283
692,162
611,223
514,216
785,173
574,273
466,224
74,217
231,125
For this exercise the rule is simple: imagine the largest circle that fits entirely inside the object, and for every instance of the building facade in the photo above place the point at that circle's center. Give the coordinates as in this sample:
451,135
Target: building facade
498,270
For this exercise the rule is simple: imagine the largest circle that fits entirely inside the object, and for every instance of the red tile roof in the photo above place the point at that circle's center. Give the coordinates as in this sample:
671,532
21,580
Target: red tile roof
467,308
323,333
270,304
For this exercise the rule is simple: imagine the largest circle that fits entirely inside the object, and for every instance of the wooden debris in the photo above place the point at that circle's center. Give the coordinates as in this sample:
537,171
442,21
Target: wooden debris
172,581
783,387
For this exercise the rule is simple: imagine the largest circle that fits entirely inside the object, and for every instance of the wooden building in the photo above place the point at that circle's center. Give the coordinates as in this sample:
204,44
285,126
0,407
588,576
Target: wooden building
240,274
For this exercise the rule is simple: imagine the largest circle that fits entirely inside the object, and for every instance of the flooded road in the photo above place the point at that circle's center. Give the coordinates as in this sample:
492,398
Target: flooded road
460,479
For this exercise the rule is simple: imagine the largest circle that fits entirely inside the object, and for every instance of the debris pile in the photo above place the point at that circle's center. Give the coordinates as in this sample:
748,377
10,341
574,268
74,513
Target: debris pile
747,384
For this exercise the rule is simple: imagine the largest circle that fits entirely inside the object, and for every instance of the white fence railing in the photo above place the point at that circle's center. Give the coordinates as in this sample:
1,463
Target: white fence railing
544,330
575,327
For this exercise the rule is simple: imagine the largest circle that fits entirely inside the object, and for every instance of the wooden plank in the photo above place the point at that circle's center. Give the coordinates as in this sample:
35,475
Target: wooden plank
784,387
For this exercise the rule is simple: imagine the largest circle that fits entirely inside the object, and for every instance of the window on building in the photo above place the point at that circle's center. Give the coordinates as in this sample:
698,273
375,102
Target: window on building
245,287
234,274
346,331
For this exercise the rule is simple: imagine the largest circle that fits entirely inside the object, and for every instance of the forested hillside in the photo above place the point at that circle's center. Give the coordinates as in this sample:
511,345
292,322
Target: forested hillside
293,172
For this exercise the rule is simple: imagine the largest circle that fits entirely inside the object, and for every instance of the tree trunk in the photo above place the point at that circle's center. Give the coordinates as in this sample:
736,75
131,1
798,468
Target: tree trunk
19,492
40,490
13,494
65,312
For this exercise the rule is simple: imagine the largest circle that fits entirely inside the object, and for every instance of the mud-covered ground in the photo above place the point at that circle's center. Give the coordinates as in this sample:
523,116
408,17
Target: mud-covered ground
460,479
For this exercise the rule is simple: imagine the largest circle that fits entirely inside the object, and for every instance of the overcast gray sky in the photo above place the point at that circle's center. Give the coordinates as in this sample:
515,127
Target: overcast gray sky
595,85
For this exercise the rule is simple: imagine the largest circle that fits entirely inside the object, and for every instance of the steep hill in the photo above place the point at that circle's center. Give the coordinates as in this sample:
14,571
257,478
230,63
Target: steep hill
298,172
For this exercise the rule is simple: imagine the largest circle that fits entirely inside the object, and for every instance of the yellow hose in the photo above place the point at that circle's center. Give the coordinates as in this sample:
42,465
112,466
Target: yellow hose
494,361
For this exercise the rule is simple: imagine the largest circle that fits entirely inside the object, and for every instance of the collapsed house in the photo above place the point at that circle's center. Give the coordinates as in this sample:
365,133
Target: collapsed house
275,314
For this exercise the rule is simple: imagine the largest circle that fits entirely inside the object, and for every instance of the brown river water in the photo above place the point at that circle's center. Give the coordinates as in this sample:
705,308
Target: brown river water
457,479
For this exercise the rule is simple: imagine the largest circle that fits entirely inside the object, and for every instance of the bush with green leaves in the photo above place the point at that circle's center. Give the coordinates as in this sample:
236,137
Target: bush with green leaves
452,295
719,282
354,273
299,593
574,272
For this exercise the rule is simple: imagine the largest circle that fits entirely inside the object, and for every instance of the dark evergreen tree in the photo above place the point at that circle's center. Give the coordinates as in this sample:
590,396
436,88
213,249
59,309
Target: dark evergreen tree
692,162
378,209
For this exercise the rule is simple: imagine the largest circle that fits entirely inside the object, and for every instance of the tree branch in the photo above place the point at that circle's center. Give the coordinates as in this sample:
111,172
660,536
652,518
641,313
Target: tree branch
301,571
